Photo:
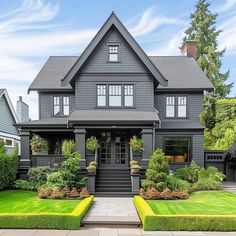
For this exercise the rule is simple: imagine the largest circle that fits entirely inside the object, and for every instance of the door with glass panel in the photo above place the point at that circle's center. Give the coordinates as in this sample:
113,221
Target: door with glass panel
113,150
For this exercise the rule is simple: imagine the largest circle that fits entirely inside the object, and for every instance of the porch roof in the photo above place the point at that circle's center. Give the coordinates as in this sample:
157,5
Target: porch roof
113,116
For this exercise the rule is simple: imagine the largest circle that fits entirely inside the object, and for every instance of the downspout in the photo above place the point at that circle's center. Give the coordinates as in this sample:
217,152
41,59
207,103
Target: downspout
153,138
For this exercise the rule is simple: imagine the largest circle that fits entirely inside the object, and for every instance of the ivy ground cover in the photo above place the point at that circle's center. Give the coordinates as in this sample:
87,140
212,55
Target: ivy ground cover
205,210
23,209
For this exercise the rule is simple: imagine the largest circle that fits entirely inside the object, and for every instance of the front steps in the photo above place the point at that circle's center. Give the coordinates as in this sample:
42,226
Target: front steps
113,183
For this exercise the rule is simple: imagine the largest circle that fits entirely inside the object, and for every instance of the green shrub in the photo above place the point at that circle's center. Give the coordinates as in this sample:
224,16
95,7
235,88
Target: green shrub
27,185
189,173
68,147
206,184
157,171
8,167
56,179
39,174
92,143
136,144
38,144
211,173
176,184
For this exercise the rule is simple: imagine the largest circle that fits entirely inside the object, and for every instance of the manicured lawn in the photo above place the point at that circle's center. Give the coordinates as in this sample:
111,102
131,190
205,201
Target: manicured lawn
16,201
23,209
199,203
203,211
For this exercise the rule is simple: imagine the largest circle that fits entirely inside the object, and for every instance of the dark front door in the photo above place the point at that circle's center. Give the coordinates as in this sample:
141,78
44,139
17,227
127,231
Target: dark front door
113,150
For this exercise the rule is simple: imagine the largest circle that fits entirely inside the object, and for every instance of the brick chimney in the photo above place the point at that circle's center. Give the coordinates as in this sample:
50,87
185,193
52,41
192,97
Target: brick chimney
189,48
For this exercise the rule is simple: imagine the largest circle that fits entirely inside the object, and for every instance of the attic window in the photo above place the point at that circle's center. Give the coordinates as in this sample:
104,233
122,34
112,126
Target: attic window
113,51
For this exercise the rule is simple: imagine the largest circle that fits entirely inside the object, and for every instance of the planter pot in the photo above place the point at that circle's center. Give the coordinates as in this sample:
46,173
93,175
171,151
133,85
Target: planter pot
135,170
91,171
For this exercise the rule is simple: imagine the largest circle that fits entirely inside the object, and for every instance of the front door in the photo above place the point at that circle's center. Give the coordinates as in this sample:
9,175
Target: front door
113,150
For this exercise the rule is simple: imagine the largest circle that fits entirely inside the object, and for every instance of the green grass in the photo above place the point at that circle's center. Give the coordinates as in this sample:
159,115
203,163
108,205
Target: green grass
17,201
23,209
203,211
199,203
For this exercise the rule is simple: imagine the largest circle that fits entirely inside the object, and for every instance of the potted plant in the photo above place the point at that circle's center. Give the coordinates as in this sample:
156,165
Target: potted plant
133,162
39,146
135,168
91,169
93,163
93,145
136,144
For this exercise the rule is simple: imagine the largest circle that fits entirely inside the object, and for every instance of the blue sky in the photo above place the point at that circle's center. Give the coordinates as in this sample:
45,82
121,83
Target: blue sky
32,30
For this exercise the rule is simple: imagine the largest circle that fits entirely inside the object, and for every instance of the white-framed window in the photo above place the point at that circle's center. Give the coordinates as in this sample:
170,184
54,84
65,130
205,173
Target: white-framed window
182,106
101,95
128,95
8,142
170,106
115,96
56,105
66,105
113,53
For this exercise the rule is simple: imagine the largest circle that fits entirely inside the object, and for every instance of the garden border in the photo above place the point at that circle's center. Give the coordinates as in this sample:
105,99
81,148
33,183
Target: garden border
152,221
70,221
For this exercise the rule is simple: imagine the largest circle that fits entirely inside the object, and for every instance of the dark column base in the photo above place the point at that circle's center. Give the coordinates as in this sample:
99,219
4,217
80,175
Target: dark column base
135,182
91,182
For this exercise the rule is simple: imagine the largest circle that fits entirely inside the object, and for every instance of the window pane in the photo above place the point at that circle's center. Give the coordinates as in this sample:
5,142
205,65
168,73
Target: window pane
66,106
129,101
114,101
101,101
56,105
181,111
170,111
113,57
177,149
182,106
66,110
9,142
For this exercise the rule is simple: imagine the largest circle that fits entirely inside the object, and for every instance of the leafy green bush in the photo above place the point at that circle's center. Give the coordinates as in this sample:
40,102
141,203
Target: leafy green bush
68,147
39,174
157,171
211,173
8,167
136,144
27,185
92,143
176,184
56,179
189,173
38,144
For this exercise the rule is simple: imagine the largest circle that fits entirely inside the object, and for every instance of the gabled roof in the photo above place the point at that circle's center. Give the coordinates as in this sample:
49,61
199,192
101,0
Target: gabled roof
3,92
113,20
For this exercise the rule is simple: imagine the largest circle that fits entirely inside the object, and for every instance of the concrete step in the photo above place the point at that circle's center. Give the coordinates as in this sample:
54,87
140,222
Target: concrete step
114,194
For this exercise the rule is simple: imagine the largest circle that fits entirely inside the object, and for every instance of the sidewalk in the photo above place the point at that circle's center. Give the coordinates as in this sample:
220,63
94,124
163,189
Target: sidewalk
108,232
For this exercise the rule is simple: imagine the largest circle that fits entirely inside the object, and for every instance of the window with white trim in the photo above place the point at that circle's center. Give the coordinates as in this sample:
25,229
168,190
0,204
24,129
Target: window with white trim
113,51
182,106
101,95
170,106
115,96
128,95
66,105
56,105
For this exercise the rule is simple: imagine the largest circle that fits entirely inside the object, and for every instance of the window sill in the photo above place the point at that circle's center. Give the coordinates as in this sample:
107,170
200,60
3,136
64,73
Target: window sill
176,118
114,107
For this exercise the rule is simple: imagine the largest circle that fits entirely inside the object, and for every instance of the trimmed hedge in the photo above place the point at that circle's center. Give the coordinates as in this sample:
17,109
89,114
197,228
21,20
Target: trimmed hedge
151,221
69,221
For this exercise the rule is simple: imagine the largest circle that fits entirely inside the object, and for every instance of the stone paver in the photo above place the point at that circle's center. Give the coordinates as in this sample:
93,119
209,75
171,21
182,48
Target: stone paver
107,232
111,210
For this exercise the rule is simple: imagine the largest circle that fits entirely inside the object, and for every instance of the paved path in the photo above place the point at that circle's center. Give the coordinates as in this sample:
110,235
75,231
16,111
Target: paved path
229,186
116,211
108,232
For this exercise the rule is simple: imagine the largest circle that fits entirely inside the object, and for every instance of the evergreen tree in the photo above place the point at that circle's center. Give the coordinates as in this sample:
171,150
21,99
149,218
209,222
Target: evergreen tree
202,28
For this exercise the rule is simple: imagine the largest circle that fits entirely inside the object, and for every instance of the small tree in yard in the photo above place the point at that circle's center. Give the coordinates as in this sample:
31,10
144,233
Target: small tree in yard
157,172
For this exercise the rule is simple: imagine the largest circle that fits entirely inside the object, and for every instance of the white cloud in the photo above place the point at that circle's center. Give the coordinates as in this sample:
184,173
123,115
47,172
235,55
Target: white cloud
149,22
227,6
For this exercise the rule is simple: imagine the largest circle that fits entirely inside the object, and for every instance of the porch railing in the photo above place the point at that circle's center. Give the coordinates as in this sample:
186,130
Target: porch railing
52,161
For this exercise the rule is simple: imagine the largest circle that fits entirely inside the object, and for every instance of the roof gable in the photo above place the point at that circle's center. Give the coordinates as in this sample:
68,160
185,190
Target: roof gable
114,21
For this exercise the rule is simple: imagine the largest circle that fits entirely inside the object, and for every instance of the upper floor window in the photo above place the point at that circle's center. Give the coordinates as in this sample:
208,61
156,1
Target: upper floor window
101,95
182,106
115,95
66,106
56,105
170,106
113,53
128,95
176,106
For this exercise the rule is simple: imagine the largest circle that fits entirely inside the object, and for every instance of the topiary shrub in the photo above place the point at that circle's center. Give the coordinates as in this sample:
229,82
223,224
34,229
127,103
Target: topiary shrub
157,172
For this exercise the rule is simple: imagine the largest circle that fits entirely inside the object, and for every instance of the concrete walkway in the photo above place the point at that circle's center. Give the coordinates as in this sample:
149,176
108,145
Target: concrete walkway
108,232
229,186
112,211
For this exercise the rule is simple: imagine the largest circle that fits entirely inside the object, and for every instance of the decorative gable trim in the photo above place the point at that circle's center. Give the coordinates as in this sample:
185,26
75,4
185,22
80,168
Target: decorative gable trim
113,20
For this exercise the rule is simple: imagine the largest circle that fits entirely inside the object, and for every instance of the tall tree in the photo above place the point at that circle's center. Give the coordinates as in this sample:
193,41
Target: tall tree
202,28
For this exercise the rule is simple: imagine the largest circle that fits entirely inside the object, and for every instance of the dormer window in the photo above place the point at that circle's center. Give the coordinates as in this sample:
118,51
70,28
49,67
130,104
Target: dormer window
113,51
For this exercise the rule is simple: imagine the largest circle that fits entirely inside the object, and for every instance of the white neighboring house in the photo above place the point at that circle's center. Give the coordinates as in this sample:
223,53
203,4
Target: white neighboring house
8,117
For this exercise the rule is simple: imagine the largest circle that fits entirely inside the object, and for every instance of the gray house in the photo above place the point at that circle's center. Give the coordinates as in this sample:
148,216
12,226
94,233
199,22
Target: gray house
113,91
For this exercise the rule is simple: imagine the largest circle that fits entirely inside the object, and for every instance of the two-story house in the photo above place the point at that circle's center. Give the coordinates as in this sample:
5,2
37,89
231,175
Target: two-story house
113,91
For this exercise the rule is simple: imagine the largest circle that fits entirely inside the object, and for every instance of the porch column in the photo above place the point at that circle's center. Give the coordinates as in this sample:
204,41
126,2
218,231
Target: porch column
25,162
80,145
147,137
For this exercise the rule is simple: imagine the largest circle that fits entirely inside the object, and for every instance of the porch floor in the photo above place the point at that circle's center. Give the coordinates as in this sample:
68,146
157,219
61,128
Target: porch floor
112,211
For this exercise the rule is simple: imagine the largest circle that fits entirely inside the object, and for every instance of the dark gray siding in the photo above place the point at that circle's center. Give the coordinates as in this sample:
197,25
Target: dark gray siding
46,104
197,150
85,89
128,60
6,118
195,104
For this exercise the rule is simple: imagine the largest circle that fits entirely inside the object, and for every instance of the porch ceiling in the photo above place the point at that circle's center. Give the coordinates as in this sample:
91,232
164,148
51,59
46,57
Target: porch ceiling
113,116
